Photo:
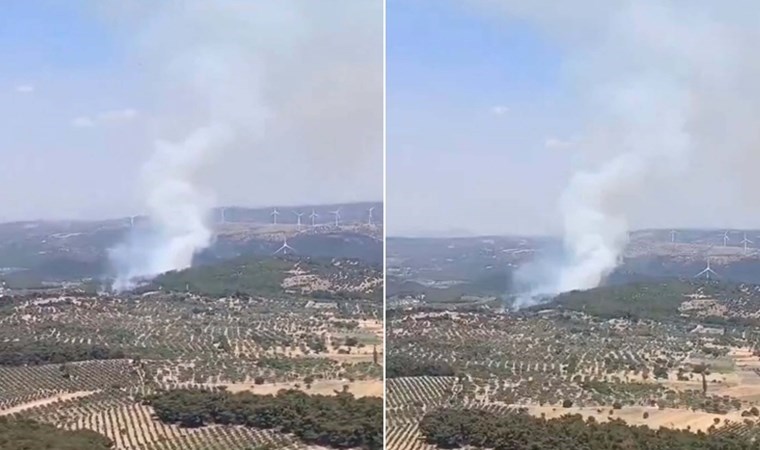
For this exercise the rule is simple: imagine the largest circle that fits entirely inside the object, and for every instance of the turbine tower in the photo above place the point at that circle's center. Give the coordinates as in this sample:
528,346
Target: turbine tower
131,221
274,215
725,239
673,236
222,217
336,213
369,216
706,272
298,219
313,216
285,247
746,241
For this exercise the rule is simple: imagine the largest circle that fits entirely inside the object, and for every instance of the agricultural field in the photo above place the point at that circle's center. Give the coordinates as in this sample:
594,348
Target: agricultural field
82,361
679,365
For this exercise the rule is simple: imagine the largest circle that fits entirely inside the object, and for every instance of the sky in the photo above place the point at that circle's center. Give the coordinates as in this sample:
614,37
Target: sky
88,88
513,117
460,91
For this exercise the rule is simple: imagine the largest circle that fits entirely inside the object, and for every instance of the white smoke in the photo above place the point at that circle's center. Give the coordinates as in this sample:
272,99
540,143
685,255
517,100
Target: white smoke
208,56
663,89
596,204
594,234
251,100
177,206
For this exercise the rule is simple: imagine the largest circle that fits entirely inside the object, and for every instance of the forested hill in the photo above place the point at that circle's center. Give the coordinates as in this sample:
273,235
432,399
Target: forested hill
665,299
322,278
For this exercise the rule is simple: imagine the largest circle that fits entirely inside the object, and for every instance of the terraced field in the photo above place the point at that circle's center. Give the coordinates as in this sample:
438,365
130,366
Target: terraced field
178,340
552,363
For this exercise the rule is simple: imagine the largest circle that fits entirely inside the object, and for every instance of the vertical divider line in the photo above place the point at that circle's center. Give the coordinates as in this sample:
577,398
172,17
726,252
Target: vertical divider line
385,230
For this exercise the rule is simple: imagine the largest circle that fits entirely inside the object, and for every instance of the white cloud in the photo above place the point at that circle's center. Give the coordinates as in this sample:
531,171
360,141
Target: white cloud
82,122
114,115
25,88
556,143
118,115
499,110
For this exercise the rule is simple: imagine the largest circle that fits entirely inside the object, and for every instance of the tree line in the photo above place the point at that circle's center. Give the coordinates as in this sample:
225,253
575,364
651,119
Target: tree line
27,434
338,421
37,353
456,428
398,366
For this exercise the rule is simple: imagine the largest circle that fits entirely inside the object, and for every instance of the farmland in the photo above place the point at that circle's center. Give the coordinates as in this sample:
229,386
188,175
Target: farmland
691,364
83,361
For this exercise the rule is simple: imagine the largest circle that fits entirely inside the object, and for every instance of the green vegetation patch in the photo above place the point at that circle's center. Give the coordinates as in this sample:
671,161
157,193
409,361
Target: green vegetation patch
30,435
338,421
453,428
400,366
252,276
36,353
657,301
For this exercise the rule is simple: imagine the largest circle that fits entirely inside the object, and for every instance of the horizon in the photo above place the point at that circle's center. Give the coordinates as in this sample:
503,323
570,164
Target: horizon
213,210
471,235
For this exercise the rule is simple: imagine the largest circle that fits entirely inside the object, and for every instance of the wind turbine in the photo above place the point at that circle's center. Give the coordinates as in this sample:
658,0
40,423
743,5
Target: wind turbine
369,216
222,217
336,213
725,239
131,221
313,216
706,272
746,241
673,235
298,219
285,247
274,215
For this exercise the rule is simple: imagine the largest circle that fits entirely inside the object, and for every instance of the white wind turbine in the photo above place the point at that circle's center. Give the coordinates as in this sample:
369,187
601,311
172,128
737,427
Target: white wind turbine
746,241
706,272
285,247
222,215
673,235
274,215
725,239
336,213
369,215
313,216
298,219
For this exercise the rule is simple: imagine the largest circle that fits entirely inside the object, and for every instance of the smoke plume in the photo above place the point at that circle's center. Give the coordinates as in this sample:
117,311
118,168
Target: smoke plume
201,55
248,98
667,95
177,207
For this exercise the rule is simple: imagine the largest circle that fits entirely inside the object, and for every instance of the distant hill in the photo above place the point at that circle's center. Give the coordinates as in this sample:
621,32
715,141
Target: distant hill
745,270
53,251
327,244
430,265
348,213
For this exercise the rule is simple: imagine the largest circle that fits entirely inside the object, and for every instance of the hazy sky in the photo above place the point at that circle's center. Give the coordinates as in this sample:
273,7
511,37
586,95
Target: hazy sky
494,105
87,87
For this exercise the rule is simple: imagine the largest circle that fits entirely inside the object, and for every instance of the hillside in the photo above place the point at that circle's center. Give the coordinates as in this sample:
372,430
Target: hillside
713,302
36,252
650,300
444,270
320,278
